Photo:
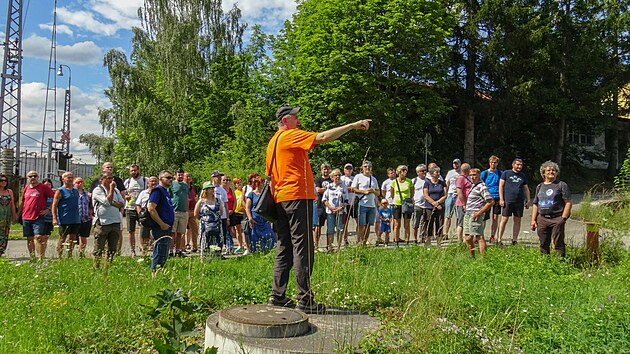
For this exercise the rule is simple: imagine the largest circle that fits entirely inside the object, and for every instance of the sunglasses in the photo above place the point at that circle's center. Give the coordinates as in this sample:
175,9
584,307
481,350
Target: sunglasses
3,180
32,176
168,177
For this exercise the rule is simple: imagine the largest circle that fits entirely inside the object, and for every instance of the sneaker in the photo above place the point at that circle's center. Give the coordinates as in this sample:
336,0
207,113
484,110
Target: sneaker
513,243
491,239
346,243
194,250
311,307
280,302
238,250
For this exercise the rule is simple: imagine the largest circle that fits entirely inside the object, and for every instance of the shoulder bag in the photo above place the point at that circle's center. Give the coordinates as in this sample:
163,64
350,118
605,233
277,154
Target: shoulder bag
407,203
266,205
144,217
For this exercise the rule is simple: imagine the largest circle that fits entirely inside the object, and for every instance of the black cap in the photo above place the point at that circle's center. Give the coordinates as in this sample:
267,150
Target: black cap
283,111
216,173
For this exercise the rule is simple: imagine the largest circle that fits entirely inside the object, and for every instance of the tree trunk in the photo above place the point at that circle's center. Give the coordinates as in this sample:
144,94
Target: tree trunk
562,125
469,136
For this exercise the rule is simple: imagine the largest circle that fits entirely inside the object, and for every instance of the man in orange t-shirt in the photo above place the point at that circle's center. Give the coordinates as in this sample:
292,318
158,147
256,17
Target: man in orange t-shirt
294,192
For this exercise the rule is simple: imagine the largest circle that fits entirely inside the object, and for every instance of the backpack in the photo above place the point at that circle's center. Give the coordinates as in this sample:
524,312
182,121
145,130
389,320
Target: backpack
144,217
484,175
212,220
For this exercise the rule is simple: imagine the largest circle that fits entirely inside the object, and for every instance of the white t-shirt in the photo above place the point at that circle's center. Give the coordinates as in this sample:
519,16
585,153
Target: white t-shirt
418,192
362,182
347,181
142,199
451,177
387,185
134,187
336,196
221,194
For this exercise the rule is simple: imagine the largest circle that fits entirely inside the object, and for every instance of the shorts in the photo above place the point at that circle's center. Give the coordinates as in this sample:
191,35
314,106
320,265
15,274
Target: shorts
417,217
449,205
145,232
385,227
85,228
459,214
332,221
235,219
397,213
321,215
71,229
315,213
181,222
132,220
48,228
367,215
472,226
31,228
495,210
515,209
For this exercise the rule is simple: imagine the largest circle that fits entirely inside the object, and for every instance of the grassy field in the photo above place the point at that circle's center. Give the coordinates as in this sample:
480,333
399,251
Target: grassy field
440,301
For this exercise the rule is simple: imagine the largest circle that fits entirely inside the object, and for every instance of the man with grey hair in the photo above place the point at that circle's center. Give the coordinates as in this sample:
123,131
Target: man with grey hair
418,200
294,191
321,184
120,185
107,202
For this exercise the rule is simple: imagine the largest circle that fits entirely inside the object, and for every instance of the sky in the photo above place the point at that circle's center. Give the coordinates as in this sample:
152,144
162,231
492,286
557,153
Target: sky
86,30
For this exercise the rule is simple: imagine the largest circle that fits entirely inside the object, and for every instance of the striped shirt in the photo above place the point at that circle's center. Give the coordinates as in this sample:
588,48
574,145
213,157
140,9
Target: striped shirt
84,207
477,197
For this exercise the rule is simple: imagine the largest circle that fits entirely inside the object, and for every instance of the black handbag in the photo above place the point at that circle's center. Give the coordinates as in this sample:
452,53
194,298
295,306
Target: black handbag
406,204
266,205
145,219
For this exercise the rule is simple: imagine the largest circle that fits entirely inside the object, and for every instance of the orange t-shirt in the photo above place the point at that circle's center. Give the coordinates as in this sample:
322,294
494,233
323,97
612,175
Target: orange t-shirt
291,174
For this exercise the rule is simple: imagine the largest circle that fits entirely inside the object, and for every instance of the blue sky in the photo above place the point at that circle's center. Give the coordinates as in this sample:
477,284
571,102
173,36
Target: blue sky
86,30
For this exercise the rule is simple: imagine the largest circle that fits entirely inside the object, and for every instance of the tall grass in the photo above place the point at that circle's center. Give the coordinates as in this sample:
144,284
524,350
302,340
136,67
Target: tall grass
511,300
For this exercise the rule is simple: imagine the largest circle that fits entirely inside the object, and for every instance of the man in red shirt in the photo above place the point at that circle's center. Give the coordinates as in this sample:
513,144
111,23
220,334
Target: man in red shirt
294,191
33,211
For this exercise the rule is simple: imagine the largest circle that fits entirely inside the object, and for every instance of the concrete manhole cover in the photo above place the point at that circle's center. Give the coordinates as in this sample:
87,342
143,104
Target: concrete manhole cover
263,321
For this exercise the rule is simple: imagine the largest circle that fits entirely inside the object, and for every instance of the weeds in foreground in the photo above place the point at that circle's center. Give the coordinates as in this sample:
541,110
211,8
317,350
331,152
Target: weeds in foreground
429,300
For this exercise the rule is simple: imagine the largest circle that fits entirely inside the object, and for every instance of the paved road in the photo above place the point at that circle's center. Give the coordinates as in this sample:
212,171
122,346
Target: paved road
575,236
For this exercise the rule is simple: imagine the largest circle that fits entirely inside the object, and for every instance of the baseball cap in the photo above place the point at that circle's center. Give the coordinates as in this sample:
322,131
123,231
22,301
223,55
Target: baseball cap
207,185
384,201
348,165
284,110
216,173
457,161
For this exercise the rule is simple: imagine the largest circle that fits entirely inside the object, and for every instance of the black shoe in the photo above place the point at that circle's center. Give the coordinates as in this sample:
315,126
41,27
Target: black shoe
311,308
281,302
513,243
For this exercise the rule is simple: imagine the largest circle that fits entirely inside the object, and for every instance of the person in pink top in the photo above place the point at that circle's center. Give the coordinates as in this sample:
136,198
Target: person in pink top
462,185
34,210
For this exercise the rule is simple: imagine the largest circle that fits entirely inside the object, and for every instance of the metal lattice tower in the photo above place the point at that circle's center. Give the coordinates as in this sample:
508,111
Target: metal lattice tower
10,98
51,90
65,129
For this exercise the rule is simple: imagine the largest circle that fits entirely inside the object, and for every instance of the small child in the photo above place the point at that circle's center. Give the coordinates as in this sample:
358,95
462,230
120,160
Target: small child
385,217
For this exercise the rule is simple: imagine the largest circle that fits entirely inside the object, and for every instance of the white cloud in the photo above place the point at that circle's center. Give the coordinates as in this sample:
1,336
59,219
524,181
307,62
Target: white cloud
103,17
61,29
270,14
83,53
83,115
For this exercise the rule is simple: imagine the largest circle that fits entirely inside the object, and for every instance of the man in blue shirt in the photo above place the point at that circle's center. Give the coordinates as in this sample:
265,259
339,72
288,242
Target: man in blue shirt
491,178
161,210
513,196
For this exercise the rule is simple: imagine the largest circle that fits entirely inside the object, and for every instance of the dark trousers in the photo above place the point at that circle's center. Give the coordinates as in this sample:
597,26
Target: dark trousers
294,248
551,229
432,222
161,246
105,234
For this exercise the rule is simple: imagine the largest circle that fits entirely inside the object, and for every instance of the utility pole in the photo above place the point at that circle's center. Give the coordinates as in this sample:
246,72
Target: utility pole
51,93
11,93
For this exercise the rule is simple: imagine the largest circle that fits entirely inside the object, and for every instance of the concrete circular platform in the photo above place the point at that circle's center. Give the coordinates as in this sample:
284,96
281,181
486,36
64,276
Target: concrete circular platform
337,330
263,321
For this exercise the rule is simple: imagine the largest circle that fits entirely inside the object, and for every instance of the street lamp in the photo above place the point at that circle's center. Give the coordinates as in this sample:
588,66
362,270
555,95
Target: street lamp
64,154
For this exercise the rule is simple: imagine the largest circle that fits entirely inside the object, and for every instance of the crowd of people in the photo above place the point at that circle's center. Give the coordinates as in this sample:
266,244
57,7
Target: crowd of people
401,209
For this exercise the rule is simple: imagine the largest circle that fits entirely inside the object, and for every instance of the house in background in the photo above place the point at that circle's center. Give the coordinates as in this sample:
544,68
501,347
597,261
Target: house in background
592,144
